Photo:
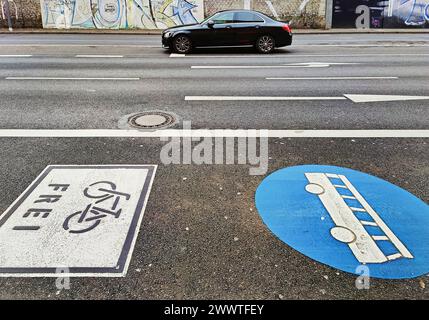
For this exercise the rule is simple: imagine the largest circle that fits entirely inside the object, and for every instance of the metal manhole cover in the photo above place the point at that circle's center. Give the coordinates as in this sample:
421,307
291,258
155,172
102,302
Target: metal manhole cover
151,120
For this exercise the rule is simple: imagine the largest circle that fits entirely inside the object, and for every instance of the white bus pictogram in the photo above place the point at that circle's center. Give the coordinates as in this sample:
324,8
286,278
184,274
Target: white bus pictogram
349,228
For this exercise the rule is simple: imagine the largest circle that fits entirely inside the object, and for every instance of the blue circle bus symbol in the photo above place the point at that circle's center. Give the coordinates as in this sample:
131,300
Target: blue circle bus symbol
345,218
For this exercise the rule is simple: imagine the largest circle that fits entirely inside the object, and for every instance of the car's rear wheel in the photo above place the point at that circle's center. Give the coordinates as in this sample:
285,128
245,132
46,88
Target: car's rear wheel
265,44
182,44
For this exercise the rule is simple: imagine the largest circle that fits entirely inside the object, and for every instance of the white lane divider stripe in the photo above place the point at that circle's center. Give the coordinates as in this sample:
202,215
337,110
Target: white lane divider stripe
356,98
362,45
15,55
177,55
97,56
221,133
70,78
263,67
256,98
334,78
289,65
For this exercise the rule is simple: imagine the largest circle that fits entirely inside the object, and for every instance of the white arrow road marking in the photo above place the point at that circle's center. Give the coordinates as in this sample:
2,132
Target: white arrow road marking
199,133
290,65
380,98
333,78
357,98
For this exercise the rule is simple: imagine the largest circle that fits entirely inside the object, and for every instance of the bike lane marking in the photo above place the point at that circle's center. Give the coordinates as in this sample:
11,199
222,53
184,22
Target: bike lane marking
75,221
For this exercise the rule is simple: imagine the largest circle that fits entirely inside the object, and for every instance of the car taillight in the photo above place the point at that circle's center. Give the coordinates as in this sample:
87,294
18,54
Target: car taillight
287,28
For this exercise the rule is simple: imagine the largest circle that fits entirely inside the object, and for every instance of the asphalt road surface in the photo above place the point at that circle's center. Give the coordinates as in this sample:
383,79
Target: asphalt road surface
201,236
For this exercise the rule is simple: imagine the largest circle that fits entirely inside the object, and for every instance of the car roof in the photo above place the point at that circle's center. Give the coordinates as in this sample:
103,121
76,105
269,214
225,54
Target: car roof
241,10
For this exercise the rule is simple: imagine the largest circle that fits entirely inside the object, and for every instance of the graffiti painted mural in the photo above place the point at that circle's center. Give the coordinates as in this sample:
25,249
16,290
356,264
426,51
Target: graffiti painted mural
380,14
120,14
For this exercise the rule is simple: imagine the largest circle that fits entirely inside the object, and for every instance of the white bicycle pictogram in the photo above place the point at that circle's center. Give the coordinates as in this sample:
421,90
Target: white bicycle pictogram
106,203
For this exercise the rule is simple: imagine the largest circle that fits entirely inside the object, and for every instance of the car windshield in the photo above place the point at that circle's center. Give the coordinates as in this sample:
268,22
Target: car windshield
221,17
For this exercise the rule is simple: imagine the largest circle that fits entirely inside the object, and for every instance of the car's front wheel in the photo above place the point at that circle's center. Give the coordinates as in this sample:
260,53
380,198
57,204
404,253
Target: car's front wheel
265,44
182,44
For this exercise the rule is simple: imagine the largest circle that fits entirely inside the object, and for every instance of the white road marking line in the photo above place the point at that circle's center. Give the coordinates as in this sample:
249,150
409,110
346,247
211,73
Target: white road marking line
252,67
333,78
257,98
361,55
70,78
15,55
356,98
177,55
221,133
97,56
291,55
362,45
78,45
262,67
289,65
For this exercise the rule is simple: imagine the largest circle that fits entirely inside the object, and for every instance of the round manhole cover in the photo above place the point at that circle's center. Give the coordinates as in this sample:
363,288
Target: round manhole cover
151,120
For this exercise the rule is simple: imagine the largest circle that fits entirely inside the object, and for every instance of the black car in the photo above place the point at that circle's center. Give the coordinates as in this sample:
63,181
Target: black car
230,28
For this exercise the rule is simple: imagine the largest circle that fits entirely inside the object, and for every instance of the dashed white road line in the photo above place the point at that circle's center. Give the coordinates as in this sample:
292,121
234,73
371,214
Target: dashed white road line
257,98
222,133
71,78
334,78
97,56
177,55
15,55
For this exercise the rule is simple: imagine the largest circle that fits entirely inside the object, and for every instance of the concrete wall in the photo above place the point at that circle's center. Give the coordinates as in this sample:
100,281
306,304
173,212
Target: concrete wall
301,13
24,13
151,14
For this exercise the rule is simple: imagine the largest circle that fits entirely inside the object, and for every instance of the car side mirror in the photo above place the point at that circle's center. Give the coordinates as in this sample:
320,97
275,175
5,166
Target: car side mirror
211,24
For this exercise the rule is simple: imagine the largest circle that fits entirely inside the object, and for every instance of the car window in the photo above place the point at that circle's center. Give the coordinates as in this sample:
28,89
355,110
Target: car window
247,17
227,17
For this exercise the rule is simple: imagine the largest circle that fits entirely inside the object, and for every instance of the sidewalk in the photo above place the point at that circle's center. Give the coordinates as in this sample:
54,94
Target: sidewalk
157,32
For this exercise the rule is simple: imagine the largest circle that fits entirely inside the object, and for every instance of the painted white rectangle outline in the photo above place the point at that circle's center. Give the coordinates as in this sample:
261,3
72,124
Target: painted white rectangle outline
127,250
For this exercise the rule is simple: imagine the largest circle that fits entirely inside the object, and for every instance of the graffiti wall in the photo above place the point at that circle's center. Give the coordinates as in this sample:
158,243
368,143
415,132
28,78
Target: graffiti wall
120,14
380,14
